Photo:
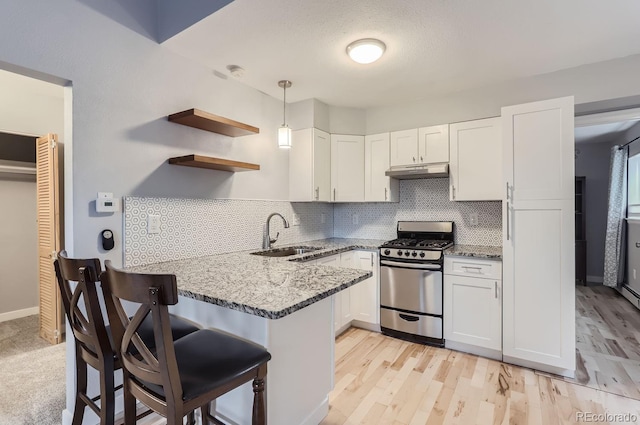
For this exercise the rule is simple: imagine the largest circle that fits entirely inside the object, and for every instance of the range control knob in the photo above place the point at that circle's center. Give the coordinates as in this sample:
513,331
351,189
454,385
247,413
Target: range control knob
400,253
406,253
422,254
387,252
413,254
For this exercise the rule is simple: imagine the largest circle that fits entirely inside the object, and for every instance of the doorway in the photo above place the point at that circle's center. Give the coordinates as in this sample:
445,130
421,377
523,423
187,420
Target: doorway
607,325
31,108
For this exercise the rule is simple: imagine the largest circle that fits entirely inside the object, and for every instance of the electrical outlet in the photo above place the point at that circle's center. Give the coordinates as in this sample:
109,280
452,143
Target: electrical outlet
153,224
355,219
296,220
323,218
473,219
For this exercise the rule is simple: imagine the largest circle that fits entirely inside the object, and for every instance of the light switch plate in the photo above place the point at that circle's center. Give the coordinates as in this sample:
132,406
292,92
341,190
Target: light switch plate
153,224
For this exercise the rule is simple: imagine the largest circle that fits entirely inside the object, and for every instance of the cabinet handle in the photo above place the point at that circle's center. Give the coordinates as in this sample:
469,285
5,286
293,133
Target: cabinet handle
372,259
472,267
421,160
637,245
414,159
495,285
453,188
409,318
334,193
508,214
317,193
385,193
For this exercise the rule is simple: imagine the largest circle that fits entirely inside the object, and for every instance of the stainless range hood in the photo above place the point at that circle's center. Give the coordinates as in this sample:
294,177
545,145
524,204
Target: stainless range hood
422,171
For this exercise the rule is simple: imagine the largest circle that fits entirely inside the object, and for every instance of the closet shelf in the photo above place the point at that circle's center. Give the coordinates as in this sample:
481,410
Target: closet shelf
212,163
214,123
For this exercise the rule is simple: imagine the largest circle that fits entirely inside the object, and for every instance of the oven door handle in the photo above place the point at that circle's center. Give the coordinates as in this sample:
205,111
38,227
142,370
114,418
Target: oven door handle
410,265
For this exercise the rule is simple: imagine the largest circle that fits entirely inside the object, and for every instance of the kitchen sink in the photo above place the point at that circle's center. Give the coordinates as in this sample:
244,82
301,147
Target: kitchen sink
286,252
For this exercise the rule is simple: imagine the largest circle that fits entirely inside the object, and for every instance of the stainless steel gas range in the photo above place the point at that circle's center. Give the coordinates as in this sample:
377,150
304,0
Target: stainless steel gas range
411,287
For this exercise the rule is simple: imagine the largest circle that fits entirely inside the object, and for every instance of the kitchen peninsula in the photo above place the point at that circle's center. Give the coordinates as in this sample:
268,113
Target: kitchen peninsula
283,304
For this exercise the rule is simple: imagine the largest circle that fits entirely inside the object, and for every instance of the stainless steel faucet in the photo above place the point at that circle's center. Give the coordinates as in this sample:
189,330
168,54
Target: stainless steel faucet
266,239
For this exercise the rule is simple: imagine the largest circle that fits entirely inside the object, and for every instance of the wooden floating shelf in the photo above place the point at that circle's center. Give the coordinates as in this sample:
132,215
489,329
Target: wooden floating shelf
212,163
209,122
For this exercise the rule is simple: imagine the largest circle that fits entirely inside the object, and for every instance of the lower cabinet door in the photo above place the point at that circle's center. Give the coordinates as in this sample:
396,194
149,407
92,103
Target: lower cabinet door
473,311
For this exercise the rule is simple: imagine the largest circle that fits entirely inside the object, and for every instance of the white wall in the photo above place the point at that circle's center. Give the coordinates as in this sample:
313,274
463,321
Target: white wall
18,244
124,86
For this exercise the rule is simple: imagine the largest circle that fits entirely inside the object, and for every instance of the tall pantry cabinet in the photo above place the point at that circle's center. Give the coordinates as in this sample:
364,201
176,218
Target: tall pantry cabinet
538,236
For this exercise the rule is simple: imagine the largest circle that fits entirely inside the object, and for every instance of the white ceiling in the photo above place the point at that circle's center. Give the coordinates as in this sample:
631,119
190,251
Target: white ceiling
434,47
602,132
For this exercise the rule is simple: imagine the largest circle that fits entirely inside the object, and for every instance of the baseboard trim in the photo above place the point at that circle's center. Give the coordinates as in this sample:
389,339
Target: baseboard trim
539,366
595,279
473,349
17,314
318,414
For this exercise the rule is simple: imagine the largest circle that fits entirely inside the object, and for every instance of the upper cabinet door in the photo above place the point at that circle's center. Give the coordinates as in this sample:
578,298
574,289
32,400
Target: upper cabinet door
433,144
309,166
347,168
404,147
476,160
321,165
377,186
538,154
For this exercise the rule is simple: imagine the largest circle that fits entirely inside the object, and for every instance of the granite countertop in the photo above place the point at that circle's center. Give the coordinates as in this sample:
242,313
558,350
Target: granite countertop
270,287
477,251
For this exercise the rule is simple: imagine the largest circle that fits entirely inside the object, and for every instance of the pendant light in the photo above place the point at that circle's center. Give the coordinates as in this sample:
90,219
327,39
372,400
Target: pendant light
284,132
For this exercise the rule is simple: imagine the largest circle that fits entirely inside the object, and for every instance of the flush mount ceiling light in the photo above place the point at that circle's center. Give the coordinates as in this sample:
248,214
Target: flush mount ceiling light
284,132
365,51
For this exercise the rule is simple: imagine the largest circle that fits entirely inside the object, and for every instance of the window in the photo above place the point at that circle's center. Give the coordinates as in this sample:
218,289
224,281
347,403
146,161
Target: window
634,186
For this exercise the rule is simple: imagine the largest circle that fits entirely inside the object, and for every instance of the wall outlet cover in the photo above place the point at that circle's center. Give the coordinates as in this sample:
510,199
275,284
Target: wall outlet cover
323,218
473,219
355,219
296,219
153,224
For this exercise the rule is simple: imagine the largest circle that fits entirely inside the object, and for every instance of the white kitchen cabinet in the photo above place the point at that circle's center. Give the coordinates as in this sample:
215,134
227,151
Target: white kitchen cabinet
347,168
433,144
346,316
310,166
473,306
377,186
365,296
426,145
334,261
538,236
404,147
475,165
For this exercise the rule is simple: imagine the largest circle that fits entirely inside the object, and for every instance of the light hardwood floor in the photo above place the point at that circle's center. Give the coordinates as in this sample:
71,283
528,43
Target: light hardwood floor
382,380
607,341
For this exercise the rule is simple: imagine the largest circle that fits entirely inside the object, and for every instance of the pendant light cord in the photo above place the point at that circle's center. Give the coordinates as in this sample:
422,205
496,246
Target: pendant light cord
284,106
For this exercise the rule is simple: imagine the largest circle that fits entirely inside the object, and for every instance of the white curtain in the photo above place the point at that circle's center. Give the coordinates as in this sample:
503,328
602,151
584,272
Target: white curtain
614,248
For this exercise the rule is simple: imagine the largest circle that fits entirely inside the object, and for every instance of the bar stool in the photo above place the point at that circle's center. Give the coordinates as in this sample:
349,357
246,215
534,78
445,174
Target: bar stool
177,376
93,339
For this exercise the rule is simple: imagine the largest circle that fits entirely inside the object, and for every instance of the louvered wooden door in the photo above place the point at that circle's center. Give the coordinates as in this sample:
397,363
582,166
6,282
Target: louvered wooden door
48,237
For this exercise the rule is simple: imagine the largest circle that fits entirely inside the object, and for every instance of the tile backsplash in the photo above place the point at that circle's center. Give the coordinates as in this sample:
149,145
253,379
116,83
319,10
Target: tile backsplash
196,227
423,199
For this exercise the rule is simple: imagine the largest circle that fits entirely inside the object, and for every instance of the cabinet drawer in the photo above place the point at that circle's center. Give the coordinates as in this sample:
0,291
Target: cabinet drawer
473,267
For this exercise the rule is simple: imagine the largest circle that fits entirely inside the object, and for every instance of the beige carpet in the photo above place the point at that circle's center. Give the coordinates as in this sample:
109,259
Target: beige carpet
32,376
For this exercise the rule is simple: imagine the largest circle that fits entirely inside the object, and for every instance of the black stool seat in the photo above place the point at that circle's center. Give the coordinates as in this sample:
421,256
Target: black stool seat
197,352
179,328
